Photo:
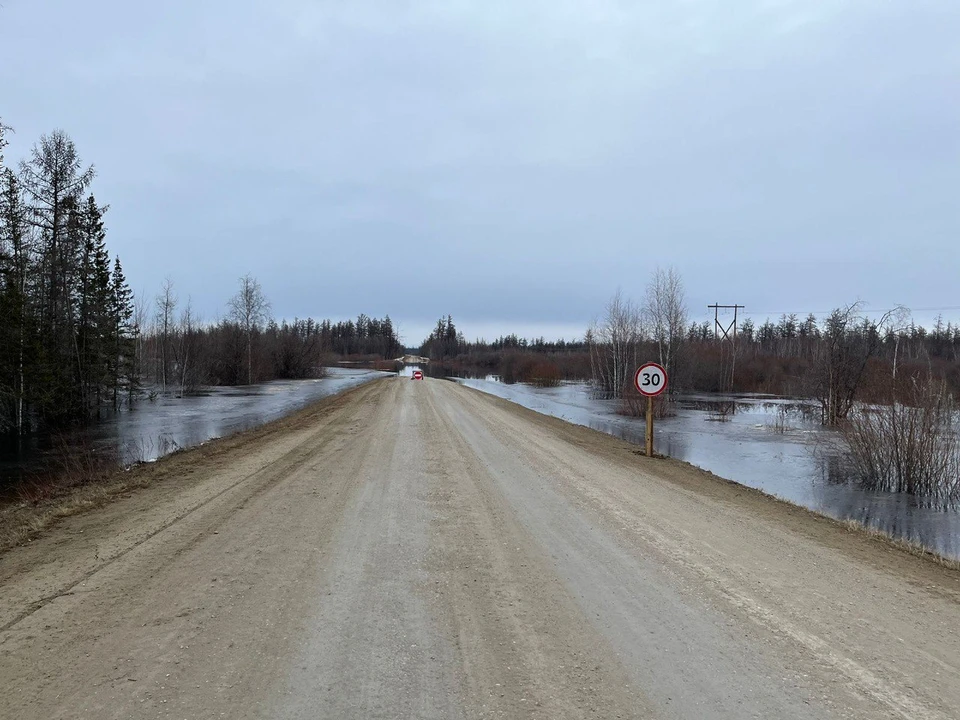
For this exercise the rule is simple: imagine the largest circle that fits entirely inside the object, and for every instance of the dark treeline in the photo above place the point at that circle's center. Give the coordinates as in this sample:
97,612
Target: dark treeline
779,356
179,353
447,342
513,358
66,330
906,342
444,342
836,361
364,337
844,358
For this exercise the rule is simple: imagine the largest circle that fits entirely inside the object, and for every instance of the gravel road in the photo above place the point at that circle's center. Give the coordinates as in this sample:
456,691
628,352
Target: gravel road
421,550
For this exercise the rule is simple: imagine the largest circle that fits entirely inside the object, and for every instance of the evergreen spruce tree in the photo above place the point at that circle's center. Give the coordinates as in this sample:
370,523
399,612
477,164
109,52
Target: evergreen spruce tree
53,178
94,330
125,375
15,323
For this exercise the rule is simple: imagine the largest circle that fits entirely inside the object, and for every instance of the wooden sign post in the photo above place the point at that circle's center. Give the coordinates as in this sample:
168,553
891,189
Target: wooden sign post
650,380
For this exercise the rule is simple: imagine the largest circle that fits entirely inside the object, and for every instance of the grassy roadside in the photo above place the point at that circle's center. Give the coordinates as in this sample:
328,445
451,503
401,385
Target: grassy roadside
849,527
94,485
24,520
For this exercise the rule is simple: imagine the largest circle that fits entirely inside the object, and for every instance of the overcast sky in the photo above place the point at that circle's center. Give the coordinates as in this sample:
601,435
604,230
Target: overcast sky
511,163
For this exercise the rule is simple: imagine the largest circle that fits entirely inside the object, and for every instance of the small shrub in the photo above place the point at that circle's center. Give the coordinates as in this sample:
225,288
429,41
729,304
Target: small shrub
909,445
780,424
543,374
633,404
723,411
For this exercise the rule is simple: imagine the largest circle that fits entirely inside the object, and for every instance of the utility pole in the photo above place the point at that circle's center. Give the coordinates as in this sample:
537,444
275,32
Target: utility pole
726,335
718,328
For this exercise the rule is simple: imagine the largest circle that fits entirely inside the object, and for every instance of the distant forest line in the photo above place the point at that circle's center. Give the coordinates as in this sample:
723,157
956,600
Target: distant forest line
837,361
771,358
75,342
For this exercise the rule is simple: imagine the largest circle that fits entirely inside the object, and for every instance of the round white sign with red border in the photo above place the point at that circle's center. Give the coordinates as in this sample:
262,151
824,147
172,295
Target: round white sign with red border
651,379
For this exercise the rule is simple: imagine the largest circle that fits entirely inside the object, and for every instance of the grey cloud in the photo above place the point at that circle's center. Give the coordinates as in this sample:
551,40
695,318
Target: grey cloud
510,163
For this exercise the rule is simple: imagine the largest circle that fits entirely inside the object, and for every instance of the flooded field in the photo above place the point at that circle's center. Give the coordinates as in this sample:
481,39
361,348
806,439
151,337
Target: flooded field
771,444
157,427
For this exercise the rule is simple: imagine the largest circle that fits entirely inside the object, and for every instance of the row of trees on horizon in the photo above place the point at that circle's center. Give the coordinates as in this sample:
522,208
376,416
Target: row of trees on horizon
75,342
180,353
838,360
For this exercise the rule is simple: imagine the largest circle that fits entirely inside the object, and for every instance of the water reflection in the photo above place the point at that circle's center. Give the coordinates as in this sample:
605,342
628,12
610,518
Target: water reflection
407,370
772,444
155,428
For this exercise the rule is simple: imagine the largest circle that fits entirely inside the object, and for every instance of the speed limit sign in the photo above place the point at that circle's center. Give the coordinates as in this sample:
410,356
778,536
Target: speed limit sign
651,379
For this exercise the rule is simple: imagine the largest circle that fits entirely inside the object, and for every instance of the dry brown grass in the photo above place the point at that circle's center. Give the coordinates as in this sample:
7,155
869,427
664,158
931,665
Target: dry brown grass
907,546
849,525
42,505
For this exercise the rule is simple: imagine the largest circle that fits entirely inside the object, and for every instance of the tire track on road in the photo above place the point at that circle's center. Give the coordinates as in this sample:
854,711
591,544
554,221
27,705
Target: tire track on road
266,475
615,498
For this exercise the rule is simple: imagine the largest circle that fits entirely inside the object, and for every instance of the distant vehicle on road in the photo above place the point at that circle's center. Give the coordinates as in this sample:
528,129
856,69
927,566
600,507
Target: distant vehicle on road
418,375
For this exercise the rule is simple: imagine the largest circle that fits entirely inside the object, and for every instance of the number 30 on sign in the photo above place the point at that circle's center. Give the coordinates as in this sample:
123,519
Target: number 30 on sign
651,379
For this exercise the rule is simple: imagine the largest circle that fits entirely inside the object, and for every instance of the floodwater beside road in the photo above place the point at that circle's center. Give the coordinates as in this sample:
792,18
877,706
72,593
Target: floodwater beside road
803,464
154,428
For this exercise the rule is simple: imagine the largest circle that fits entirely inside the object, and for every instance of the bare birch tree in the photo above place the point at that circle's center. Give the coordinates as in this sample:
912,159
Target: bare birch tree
849,339
141,318
185,350
614,344
166,325
3,142
665,310
250,309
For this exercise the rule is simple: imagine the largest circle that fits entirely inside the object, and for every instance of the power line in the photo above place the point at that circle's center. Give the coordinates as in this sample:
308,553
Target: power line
862,312
717,327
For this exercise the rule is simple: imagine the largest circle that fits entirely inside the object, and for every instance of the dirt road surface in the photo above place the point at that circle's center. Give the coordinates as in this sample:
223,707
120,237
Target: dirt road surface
420,550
